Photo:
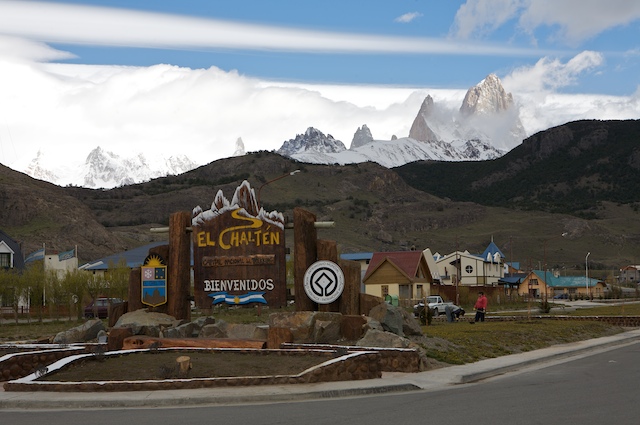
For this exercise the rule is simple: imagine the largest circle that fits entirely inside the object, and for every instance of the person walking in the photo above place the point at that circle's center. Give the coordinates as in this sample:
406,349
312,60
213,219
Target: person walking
480,307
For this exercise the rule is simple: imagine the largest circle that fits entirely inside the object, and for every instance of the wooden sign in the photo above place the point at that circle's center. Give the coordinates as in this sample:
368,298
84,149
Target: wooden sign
238,252
154,281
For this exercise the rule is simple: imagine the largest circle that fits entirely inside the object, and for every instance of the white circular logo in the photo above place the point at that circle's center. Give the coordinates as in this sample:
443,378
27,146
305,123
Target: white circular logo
324,282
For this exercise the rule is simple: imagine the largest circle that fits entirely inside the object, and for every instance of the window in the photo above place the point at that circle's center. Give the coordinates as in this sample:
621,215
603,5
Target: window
385,290
468,269
5,260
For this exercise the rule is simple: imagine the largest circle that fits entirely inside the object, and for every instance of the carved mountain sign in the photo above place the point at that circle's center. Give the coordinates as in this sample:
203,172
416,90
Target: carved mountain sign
239,252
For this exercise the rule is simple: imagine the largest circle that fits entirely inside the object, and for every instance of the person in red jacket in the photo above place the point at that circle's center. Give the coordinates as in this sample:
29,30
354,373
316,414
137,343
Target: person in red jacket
480,307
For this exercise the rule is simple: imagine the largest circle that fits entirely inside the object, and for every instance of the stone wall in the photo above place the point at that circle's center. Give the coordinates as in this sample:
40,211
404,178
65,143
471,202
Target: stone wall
348,367
22,363
391,359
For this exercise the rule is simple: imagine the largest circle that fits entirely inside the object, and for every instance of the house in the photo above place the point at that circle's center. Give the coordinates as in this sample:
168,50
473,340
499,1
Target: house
10,259
61,263
512,268
407,275
364,258
629,274
466,269
10,253
132,258
539,282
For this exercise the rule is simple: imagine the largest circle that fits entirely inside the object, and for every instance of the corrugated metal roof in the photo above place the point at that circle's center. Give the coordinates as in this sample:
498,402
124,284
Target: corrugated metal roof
357,256
133,258
565,281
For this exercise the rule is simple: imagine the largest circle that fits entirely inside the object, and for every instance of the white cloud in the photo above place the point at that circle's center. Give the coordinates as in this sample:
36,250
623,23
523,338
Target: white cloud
68,110
579,19
573,20
64,23
551,74
31,50
408,17
479,17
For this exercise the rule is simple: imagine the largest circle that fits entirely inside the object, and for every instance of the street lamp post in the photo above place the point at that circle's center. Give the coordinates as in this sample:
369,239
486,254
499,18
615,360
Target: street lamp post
546,286
271,181
586,272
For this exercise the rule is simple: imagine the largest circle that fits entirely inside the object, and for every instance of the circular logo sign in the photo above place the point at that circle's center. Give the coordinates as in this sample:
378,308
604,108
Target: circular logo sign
324,282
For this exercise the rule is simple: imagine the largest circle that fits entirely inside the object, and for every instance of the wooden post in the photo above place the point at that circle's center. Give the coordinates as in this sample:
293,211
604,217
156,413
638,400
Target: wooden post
135,290
328,251
350,299
179,266
305,254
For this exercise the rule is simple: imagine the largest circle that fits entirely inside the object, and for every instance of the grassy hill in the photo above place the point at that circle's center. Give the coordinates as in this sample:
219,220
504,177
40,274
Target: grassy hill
570,169
580,178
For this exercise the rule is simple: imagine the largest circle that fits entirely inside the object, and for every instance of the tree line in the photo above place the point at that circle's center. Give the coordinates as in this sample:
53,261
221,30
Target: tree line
35,293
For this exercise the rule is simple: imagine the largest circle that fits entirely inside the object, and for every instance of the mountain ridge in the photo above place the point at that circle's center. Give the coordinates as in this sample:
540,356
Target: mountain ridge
484,127
376,208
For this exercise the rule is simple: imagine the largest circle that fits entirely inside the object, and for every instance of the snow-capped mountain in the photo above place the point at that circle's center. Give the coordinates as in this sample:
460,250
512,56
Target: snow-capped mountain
239,151
485,127
312,142
104,169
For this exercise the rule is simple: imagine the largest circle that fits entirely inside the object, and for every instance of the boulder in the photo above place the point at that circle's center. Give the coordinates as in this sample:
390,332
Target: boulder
352,327
200,322
371,324
309,326
247,331
389,316
143,322
214,330
375,338
82,333
327,328
183,331
299,322
410,325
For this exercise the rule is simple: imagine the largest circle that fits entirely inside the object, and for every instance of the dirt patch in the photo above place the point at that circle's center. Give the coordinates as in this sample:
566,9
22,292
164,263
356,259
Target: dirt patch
163,365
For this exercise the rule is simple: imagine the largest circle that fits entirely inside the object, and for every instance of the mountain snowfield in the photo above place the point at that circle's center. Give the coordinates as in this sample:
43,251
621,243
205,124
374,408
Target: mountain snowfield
486,126
104,169
487,117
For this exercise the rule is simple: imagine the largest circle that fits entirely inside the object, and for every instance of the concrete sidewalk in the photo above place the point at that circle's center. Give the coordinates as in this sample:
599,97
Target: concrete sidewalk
389,383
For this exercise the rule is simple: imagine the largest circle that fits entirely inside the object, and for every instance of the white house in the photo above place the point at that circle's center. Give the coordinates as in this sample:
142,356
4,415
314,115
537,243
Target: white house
464,268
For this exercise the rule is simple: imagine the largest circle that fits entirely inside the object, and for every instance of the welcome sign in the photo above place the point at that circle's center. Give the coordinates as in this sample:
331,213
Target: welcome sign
239,252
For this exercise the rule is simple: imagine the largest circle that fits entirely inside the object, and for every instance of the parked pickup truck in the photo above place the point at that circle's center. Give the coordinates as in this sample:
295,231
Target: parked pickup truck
436,305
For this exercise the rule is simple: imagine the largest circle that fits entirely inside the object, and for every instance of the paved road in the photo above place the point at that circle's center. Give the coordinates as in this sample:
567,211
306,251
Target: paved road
589,390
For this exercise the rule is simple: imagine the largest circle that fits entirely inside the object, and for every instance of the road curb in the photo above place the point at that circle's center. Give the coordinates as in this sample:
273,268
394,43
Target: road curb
554,353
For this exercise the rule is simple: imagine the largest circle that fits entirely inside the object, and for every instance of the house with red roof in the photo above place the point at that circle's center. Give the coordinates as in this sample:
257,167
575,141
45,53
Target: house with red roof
408,275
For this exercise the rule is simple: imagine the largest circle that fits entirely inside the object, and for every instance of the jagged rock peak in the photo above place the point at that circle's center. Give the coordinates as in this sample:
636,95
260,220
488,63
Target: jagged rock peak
312,140
426,109
240,151
361,137
36,170
420,129
487,97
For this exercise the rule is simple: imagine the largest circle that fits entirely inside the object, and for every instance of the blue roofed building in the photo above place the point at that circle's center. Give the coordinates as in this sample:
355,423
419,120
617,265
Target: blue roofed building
539,282
132,258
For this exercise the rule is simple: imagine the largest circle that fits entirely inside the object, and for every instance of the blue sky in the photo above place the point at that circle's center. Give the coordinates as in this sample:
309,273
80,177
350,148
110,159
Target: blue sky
520,38
332,64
